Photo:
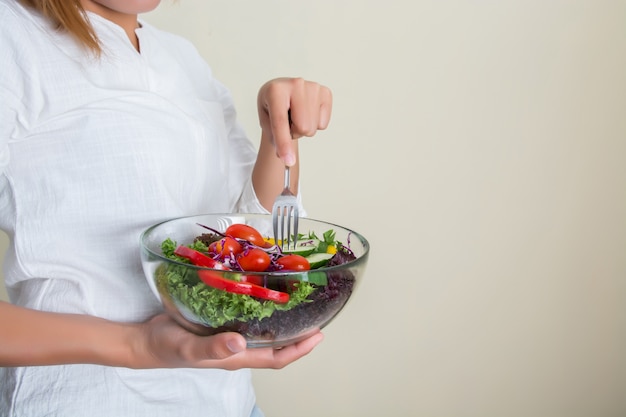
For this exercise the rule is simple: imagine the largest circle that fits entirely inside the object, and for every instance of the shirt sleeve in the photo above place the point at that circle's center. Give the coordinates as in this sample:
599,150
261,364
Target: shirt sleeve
11,108
10,105
6,119
7,99
15,85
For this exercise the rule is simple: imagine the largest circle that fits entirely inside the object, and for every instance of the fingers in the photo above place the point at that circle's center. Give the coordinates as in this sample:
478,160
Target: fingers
283,357
218,347
304,109
290,108
278,117
311,107
270,358
166,344
326,107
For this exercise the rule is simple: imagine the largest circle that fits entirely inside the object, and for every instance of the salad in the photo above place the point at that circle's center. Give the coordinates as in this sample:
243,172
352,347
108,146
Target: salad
236,295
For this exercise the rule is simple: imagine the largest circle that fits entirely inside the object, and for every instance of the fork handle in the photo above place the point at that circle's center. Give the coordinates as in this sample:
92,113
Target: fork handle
287,178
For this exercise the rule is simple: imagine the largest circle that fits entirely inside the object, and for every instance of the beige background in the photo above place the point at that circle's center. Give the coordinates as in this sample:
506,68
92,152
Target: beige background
481,147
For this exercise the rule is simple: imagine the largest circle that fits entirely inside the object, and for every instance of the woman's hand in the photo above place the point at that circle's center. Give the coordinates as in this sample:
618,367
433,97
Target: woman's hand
164,344
290,108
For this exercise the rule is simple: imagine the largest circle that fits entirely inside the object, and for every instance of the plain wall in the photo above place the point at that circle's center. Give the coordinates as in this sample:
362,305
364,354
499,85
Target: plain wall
481,147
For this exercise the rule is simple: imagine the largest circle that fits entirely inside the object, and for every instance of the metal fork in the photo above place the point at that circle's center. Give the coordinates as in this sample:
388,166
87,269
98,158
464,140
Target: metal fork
285,216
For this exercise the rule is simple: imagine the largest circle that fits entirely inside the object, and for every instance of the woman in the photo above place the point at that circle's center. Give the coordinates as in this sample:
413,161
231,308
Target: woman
108,125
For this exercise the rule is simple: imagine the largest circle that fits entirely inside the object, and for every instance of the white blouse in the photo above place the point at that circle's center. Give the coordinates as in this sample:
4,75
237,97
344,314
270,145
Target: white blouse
92,152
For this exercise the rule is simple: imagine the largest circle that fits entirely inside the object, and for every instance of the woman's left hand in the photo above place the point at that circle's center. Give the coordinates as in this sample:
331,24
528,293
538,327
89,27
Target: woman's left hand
290,108
161,343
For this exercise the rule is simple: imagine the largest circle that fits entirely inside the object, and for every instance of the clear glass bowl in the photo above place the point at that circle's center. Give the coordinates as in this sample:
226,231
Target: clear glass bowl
203,309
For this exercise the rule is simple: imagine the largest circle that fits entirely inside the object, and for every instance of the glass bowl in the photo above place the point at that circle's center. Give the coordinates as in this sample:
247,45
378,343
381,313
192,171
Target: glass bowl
316,296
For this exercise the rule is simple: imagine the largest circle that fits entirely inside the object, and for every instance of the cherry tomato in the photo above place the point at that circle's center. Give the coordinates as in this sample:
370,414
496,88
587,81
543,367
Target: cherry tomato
213,248
294,262
254,259
227,246
246,232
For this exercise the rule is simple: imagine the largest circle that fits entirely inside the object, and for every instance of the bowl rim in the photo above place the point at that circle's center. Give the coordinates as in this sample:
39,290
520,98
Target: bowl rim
160,256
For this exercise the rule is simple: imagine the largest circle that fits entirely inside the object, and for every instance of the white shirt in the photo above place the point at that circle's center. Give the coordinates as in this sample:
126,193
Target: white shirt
92,152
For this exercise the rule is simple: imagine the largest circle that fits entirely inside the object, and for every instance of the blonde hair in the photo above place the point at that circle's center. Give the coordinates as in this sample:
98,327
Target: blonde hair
69,15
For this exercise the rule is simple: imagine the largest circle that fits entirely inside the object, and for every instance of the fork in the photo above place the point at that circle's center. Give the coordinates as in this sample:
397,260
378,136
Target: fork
285,216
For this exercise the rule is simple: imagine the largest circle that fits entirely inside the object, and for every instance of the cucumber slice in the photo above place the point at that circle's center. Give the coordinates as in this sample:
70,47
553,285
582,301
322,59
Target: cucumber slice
318,260
314,277
304,247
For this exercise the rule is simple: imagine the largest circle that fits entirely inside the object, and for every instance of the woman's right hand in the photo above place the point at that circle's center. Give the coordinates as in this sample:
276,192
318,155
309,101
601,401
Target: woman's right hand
162,343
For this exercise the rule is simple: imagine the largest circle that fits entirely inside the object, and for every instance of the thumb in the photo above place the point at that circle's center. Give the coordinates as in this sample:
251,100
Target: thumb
219,346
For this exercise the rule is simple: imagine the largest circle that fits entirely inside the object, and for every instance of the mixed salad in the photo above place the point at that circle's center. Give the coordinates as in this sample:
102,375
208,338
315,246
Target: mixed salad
235,295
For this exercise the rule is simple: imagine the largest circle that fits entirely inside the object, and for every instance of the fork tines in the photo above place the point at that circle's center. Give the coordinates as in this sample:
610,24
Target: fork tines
285,217
286,226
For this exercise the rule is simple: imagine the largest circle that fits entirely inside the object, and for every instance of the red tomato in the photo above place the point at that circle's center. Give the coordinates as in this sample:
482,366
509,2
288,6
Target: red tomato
227,246
246,232
213,248
294,262
214,280
252,279
254,259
